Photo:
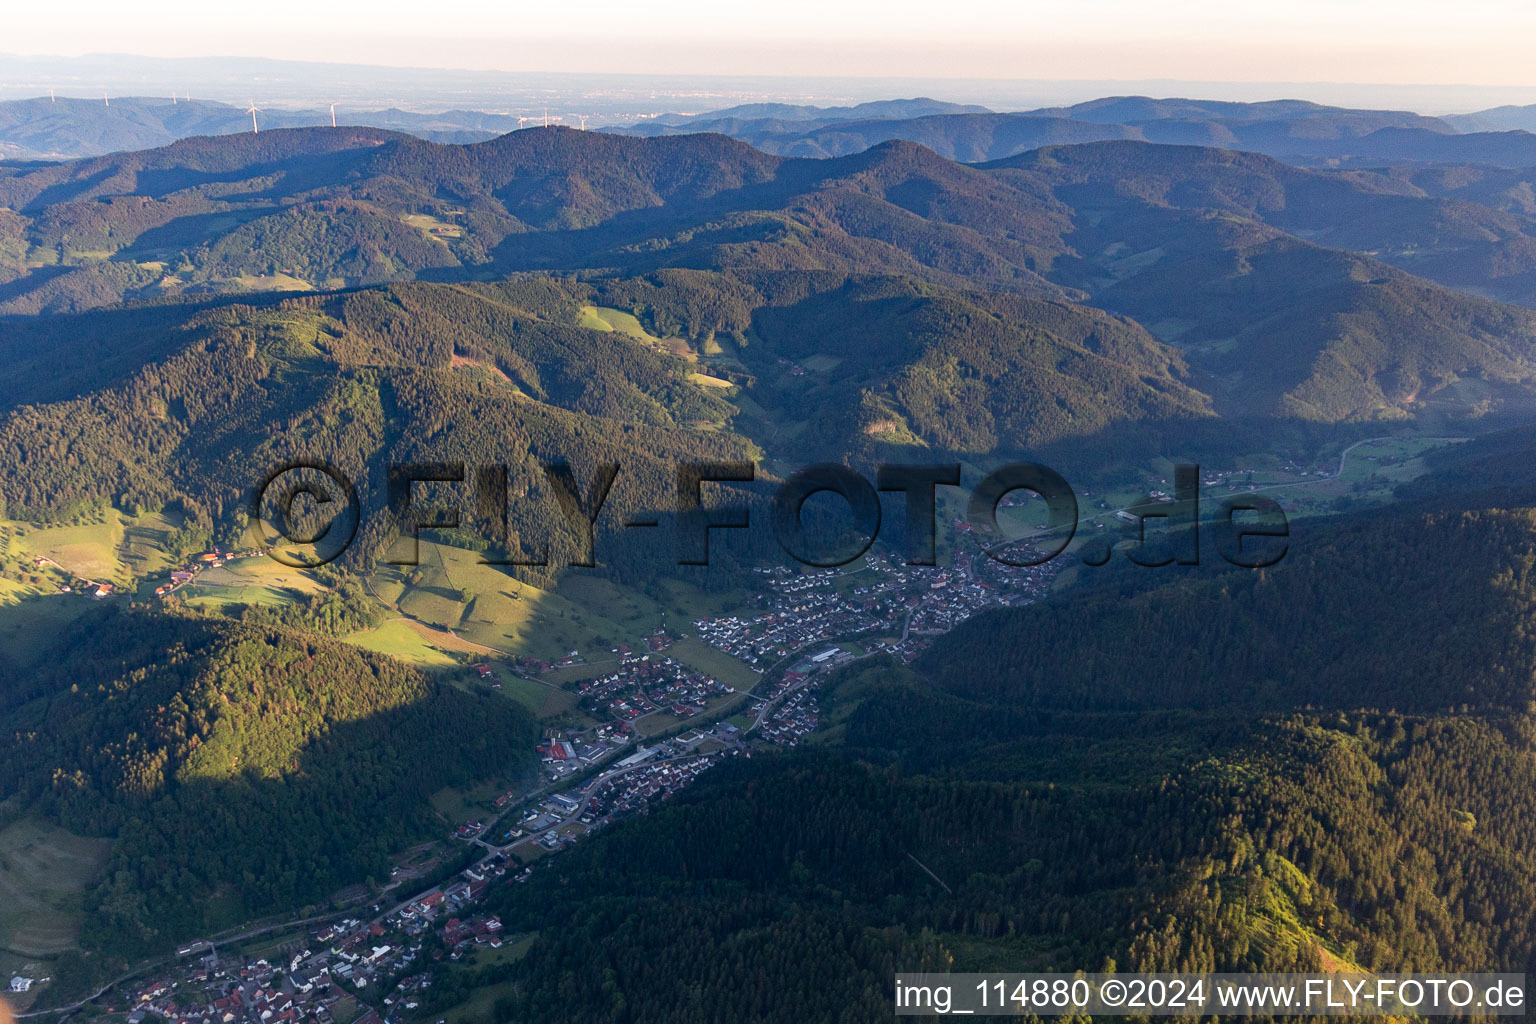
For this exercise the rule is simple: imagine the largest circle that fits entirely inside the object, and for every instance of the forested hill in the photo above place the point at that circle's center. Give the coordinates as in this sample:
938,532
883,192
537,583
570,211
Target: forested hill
1292,636
166,407
1469,227
489,375
1327,764
1337,623
239,770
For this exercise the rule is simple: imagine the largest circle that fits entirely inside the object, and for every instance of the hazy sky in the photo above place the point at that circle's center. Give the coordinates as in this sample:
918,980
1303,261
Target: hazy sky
1484,42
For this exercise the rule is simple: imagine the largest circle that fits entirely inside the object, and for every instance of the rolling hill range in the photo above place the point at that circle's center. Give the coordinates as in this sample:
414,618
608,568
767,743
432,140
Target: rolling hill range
165,407
70,127
1325,765
1469,228
1282,326
173,405
976,137
807,114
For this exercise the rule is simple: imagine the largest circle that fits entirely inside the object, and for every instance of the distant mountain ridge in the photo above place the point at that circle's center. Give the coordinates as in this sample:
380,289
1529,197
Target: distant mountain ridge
920,106
69,127
1297,131
1495,119
1137,109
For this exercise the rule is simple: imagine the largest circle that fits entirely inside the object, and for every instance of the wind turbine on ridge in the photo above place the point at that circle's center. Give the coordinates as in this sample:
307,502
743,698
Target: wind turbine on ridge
253,112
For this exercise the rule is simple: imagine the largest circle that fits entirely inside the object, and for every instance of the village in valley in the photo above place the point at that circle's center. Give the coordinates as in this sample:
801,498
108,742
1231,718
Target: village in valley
641,722
621,729
378,964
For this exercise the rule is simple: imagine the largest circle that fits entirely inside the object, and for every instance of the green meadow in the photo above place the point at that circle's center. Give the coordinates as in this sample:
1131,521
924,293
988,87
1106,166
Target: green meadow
714,662
401,639
249,581
602,318
44,872
103,545
452,590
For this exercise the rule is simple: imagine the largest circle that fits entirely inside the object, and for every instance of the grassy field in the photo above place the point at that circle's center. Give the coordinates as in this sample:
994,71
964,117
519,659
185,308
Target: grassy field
627,609
44,872
602,318
404,639
105,545
560,702
668,602
714,662
541,699
473,803
544,700
30,624
1393,461
1371,473
432,226
683,603
451,589
143,548
278,282
252,581
346,1010
576,673
481,1005
821,363
89,549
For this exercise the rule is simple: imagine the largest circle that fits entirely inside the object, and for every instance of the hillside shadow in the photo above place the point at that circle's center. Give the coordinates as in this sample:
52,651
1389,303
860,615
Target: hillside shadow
280,830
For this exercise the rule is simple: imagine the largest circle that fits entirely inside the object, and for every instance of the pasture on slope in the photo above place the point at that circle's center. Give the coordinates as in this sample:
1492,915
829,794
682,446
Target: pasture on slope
44,872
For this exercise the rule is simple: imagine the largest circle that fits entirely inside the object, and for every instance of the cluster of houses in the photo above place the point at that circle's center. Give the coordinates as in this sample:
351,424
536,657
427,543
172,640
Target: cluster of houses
803,608
360,961
912,602
646,684
76,585
215,559
792,718
791,622
633,790
459,934
784,721
219,990
966,588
